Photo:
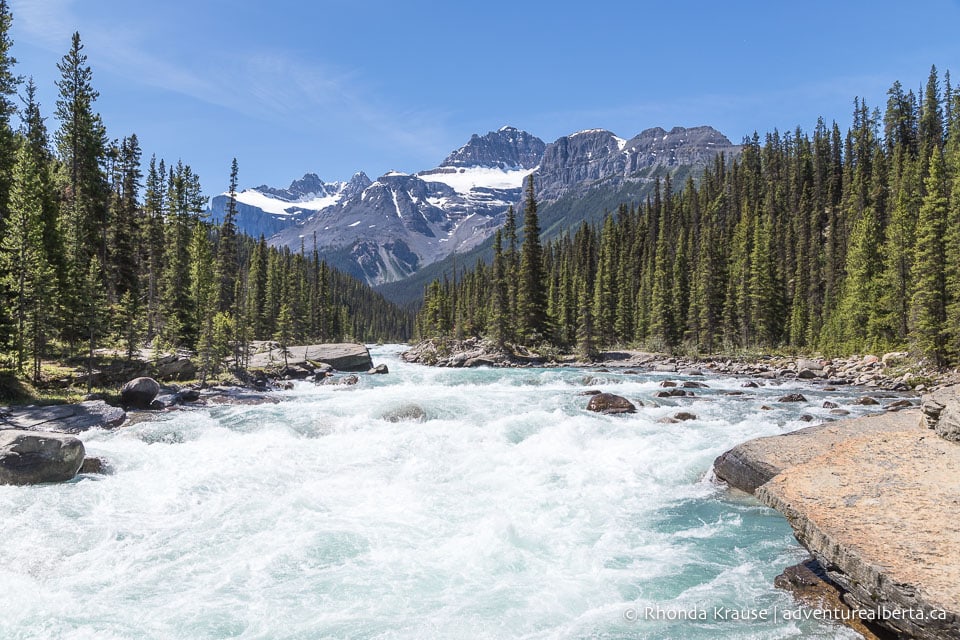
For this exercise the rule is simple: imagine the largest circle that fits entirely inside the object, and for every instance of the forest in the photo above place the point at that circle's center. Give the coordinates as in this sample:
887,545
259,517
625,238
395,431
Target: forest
825,242
96,252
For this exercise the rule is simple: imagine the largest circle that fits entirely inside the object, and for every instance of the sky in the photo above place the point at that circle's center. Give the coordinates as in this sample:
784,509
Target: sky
339,86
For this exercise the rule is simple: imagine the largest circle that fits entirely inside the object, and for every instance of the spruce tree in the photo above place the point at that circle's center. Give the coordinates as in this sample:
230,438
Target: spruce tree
928,304
531,299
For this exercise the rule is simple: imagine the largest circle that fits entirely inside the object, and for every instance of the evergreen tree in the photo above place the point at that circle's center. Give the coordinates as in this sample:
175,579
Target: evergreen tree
928,304
531,299
227,259
23,260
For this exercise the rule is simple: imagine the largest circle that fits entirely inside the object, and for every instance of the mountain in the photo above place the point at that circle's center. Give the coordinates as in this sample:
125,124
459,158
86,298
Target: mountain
391,228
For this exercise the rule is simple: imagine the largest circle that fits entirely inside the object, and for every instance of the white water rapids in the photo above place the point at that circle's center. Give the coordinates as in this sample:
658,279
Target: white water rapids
508,511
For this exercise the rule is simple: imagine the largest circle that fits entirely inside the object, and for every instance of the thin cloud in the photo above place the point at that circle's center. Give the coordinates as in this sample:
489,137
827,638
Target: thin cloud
267,85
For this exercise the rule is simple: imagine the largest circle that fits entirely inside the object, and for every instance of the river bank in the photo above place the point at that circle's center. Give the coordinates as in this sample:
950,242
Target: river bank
874,500
892,371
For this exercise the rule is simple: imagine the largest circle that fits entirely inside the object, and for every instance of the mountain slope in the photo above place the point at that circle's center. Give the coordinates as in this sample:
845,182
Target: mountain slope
391,228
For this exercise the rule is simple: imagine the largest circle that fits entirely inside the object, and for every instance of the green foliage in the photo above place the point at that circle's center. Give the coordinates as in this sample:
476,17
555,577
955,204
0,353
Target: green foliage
831,242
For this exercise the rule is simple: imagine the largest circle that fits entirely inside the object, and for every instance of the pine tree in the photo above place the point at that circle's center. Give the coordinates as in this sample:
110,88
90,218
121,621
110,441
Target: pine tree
81,141
23,259
227,259
532,299
928,304
8,89
500,311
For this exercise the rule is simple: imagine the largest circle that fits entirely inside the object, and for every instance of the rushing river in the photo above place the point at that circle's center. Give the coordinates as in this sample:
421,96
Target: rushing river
507,511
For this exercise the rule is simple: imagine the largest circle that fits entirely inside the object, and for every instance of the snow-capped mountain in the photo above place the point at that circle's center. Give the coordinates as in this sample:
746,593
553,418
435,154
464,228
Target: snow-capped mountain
387,229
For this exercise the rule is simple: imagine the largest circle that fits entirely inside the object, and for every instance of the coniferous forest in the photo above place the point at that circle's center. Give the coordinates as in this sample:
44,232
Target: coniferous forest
99,251
830,242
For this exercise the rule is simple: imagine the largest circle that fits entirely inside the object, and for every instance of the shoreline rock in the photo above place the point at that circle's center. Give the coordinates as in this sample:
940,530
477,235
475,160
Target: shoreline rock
29,457
873,499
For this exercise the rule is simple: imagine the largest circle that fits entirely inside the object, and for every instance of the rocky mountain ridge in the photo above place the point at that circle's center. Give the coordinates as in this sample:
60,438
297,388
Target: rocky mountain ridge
386,229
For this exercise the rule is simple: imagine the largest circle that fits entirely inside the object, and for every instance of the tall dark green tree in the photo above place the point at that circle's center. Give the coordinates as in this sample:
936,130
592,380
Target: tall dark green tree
531,299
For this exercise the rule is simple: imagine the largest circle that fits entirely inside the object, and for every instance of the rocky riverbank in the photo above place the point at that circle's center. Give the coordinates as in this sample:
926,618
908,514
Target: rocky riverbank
893,371
874,500
37,442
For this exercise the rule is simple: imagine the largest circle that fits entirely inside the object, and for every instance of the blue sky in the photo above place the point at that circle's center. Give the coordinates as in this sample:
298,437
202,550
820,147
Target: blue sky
338,86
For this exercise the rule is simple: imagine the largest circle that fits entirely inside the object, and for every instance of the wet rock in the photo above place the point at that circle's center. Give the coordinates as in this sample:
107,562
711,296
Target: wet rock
807,374
810,585
406,413
380,369
610,404
682,416
830,405
866,401
750,384
668,384
691,384
839,412
899,404
807,418
793,397
139,393
673,393
27,457
93,465
590,392
188,395
765,408
691,372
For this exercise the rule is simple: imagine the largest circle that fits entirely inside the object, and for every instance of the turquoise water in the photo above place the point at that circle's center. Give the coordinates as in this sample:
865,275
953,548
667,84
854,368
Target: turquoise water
508,511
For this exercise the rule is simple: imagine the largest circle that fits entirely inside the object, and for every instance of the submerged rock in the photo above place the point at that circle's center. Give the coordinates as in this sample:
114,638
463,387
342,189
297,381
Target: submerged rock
406,413
27,457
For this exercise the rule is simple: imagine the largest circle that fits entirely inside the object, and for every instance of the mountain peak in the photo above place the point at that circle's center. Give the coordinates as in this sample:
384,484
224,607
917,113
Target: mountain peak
506,148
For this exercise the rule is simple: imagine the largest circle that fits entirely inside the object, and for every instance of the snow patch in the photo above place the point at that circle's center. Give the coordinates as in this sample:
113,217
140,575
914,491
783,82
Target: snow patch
464,180
279,207
354,224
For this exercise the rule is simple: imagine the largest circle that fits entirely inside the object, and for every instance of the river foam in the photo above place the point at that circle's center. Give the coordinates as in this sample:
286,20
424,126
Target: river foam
505,511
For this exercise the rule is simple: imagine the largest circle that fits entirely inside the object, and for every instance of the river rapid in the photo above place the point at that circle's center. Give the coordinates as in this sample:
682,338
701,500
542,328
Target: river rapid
505,511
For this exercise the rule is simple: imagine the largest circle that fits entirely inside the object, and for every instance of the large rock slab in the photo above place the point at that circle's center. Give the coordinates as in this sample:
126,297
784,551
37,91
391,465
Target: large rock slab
27,457
751,464
879,514
65,418
342,356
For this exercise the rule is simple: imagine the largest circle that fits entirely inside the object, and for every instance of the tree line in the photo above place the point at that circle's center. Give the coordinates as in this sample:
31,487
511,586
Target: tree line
95,253
830,242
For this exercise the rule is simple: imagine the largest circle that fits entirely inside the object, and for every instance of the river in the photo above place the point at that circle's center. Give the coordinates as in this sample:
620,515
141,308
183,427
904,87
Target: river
507,511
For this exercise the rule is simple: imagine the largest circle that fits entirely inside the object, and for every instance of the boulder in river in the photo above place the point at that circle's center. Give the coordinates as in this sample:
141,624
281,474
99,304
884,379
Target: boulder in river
28,457
793,397
610,403
340,356
379,369
139,392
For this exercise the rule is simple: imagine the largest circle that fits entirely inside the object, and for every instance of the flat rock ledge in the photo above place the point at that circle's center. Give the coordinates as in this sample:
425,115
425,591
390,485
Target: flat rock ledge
342,357
63,418
874,500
